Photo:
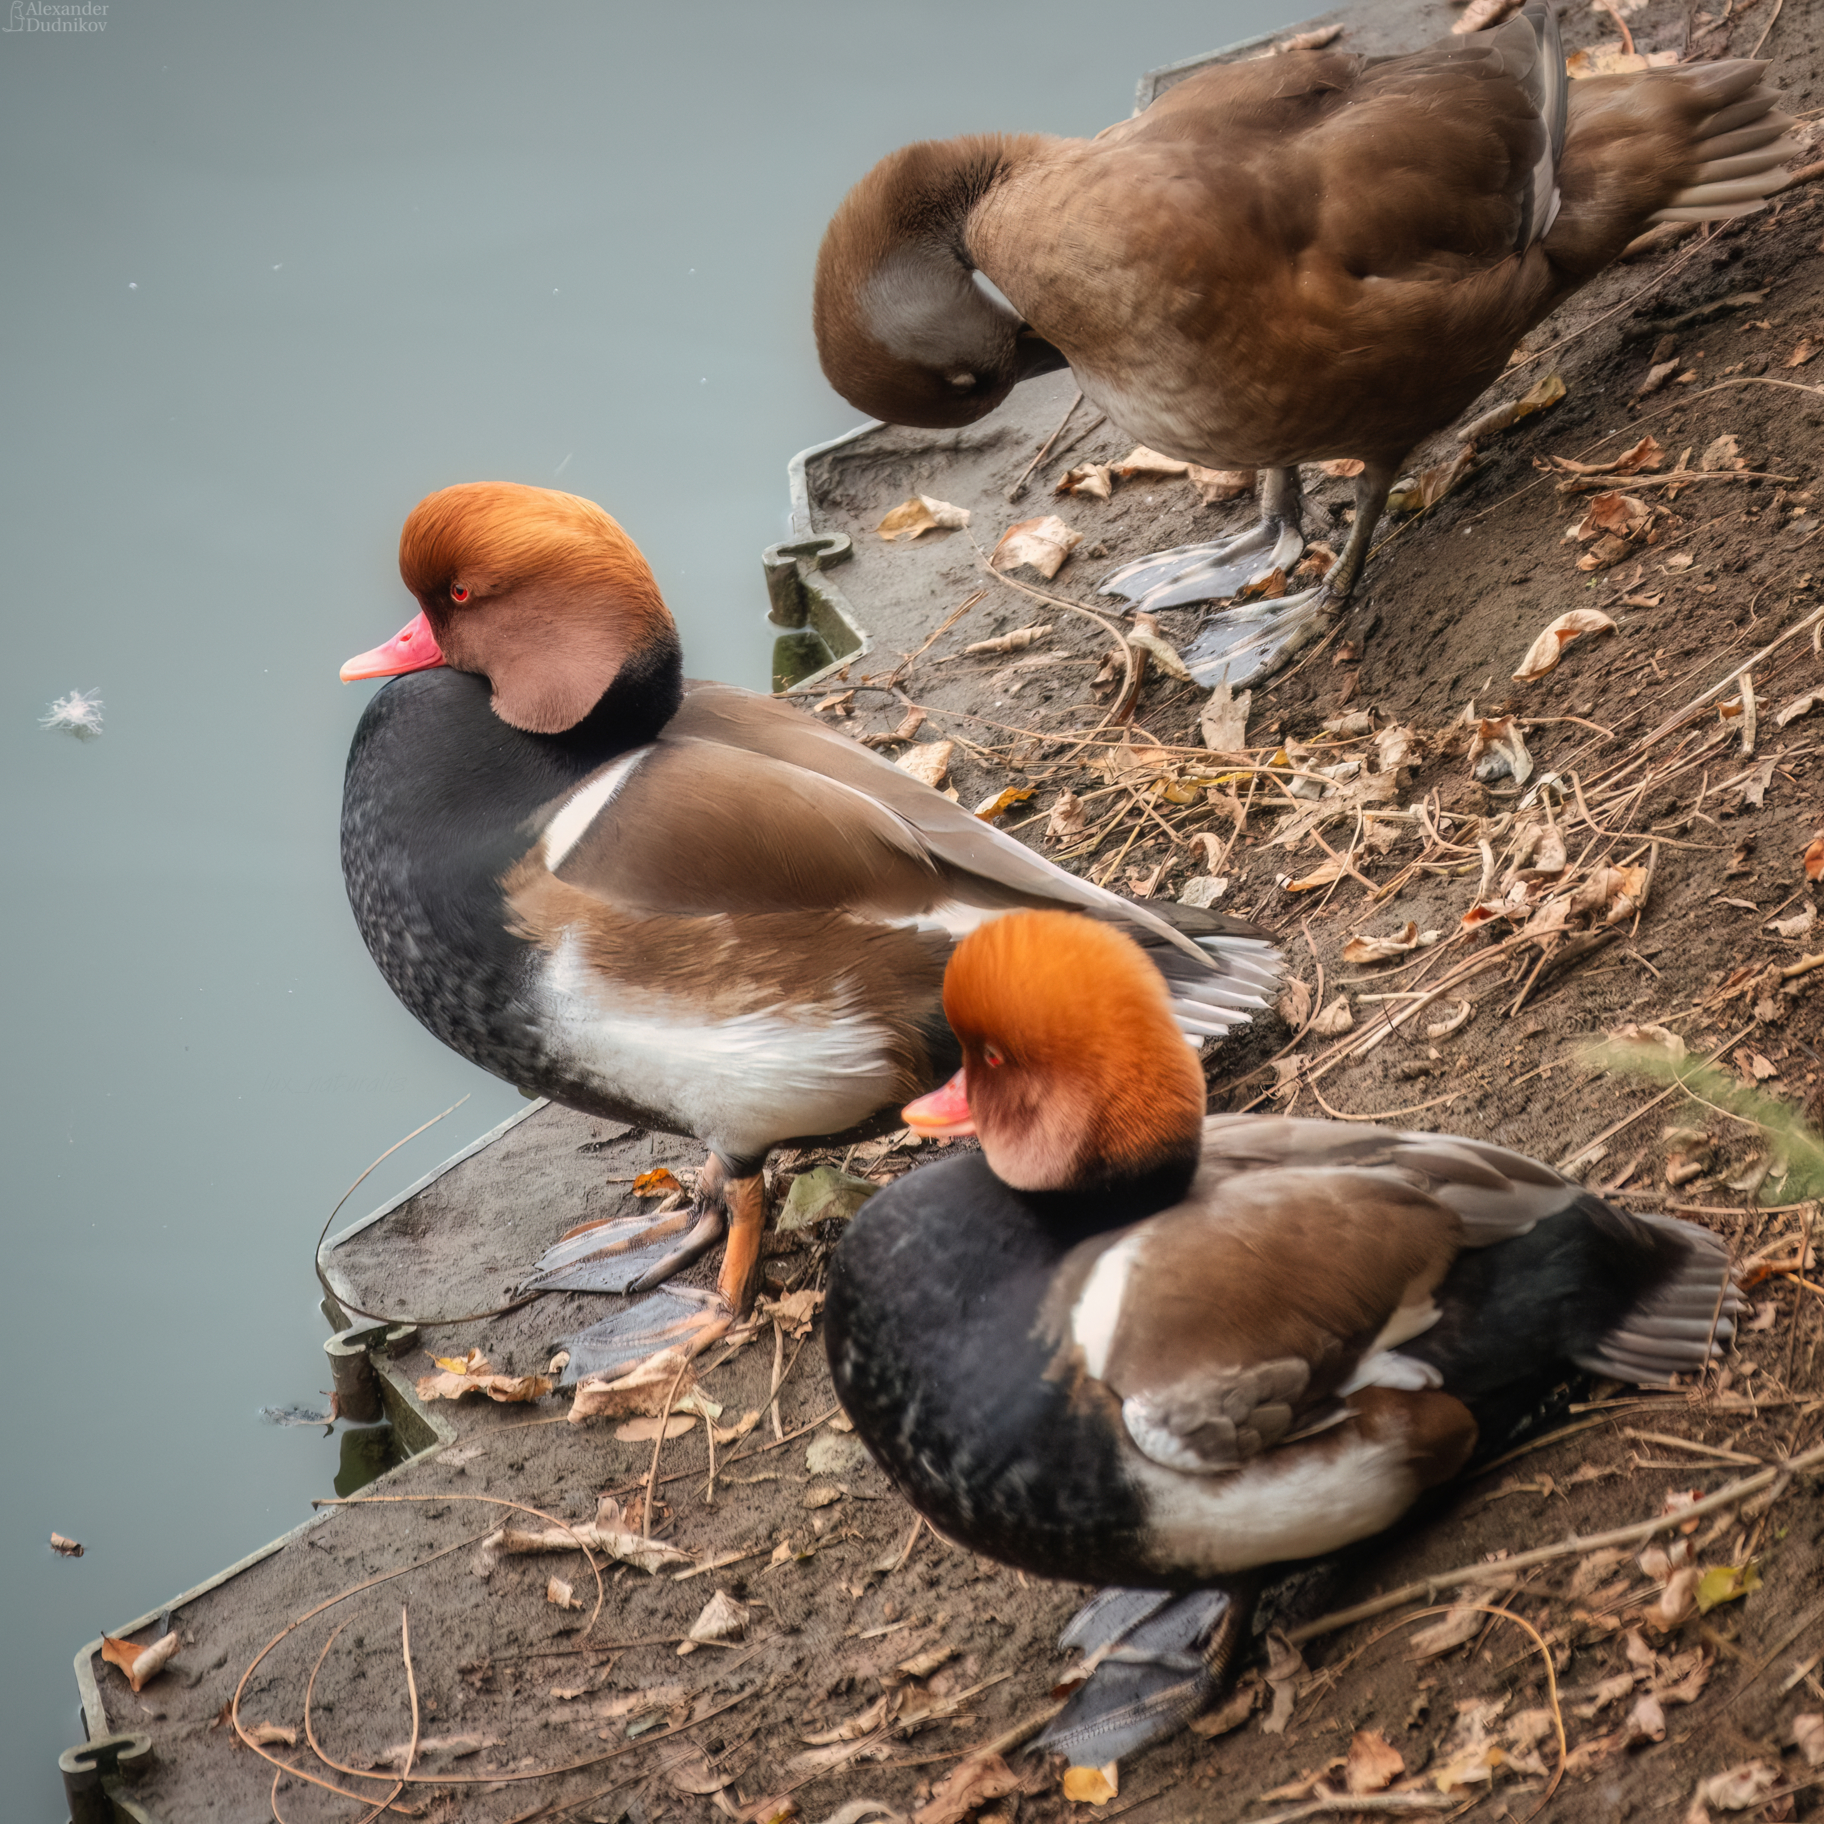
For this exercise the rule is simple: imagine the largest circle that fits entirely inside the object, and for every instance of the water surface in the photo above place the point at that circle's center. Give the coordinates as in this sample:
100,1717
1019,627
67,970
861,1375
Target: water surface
271,274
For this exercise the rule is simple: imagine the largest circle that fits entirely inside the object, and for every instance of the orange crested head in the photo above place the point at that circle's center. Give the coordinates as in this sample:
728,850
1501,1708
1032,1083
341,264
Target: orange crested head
1075,1070
540,592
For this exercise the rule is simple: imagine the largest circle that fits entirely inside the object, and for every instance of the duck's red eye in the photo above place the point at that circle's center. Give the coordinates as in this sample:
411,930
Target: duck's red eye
458,593
992,1054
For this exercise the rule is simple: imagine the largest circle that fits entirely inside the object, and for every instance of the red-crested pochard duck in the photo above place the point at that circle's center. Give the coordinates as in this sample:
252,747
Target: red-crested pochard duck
672,903
1130,1344
1310,256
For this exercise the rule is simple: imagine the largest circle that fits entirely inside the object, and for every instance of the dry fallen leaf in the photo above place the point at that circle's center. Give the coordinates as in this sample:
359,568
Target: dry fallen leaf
1091,1785
1016,641
1738,1788
607,1533
1497,750
1611,60
1092,478
644,1431
272,1735
1068,819
979,1781
65,1548
1294,1003
1323,875
1041,544
1442,1029
1807,1737
557,1591
1678,1600
1650,1035
1546,392
1544,653
1480,13
723,1618
1380,949
922,514
693,1774
1213,485
643,1388
1223,721
1460,1624
460,1375
1142,461
1241,1705
1372,1764
1621,516
996,802
1723,453
927,761
139,1662
1414,493
1336,1018
1285,1667
1814,858
1343,468
1145,636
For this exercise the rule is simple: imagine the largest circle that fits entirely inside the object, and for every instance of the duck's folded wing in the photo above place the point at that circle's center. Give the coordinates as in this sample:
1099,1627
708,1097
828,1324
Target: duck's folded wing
1496,1193
1234,1322
746,805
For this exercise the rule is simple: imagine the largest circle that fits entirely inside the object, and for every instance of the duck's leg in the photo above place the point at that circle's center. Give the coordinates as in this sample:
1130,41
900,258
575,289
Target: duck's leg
1223,566
1247,642
1156,1662
680,1317
636,1253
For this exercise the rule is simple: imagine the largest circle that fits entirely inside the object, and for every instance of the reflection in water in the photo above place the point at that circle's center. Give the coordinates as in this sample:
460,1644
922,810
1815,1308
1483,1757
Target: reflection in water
368,1452
796,655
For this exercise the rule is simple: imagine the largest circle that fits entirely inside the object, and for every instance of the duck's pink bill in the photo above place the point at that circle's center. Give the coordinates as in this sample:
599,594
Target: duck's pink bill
945,1111
412,648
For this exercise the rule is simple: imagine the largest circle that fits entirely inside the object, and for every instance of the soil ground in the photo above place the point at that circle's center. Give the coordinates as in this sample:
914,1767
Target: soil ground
514,1685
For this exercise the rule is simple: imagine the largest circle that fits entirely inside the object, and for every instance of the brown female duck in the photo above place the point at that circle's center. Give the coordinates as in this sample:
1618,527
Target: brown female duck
672,903
1130,1345
1297,258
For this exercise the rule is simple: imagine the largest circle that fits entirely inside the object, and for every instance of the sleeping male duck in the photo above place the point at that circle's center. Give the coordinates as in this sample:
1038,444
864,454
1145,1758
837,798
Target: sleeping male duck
1292,259
1131,1345
672,903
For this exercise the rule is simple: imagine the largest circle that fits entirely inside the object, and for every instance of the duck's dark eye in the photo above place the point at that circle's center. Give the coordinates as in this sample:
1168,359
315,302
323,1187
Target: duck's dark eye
458,593
993,1055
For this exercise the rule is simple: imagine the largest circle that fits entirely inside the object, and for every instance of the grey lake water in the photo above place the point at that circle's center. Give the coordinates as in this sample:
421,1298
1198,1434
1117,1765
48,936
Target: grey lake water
270,274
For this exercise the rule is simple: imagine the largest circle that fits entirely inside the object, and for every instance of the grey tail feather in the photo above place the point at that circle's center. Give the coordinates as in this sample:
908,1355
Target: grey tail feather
1742,142
1157,1662
1683,1324
1548,86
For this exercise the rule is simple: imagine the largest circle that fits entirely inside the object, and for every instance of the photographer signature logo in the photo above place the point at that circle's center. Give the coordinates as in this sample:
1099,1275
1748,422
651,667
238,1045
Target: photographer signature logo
49,16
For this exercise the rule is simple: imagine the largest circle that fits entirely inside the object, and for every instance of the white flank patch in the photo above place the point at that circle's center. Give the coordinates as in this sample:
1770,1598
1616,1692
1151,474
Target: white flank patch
740,1083
1274,1508
585,804
1402,1372
1097,1312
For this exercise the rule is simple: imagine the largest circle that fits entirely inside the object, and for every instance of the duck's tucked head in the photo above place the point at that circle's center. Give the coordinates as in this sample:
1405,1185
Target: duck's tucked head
1075,1074
904,331
539,592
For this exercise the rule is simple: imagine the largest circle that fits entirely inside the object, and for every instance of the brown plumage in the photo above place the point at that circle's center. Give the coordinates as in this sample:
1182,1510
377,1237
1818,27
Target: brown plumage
668,902
1292,259
1126,1346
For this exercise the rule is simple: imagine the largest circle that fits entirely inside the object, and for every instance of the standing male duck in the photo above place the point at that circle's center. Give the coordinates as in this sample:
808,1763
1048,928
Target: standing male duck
673,903
1285,260
1135,1346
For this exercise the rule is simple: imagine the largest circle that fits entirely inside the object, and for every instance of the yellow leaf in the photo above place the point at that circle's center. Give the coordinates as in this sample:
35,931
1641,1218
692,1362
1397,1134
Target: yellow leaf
991,807
140,1662
1091,1785
661,1181
1726,1583
922,514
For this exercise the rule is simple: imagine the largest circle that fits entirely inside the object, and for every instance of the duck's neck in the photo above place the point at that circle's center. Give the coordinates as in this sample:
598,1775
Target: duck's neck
645,695
1094,1208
